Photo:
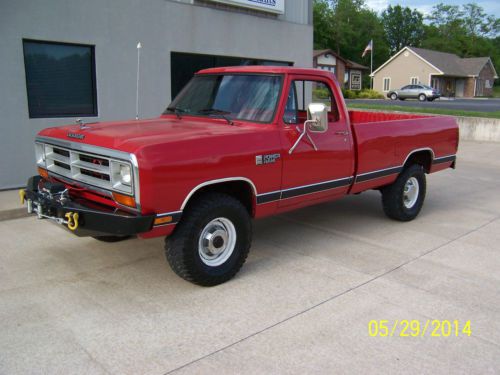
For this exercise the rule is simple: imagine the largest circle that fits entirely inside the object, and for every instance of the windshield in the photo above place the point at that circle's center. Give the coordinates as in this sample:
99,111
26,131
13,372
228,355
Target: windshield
249,97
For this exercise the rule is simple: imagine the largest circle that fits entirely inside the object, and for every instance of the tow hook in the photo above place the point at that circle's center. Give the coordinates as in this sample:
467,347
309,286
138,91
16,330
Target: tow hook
22,195
72,220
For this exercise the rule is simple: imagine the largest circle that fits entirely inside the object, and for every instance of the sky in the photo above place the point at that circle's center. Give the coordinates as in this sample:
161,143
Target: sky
425,6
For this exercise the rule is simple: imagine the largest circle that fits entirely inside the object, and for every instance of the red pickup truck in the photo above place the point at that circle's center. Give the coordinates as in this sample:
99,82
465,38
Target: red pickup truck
237,143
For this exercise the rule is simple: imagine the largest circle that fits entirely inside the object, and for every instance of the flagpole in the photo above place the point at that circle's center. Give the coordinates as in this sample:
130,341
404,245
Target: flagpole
139,46
371,66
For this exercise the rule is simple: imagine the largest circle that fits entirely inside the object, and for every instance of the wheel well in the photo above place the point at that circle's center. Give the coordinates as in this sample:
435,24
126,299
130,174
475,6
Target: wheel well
423,158
241,190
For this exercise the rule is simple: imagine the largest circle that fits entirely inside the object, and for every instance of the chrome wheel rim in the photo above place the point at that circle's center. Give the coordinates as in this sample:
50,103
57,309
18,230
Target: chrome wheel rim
410,192
217,242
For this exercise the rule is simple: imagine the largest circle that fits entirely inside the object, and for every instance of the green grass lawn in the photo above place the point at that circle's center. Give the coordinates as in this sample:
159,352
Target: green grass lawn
436,111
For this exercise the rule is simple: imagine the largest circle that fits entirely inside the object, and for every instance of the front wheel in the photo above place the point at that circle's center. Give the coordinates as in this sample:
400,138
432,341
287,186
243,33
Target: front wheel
394,96
403,199
211,243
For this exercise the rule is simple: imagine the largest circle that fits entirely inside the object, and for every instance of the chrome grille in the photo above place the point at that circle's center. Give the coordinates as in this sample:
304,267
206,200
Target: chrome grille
91,169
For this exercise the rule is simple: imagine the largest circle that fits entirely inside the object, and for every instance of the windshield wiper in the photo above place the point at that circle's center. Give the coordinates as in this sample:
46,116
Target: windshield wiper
217,112
177,111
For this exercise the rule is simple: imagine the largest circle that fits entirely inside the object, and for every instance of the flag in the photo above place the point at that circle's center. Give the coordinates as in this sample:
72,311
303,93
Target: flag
369,47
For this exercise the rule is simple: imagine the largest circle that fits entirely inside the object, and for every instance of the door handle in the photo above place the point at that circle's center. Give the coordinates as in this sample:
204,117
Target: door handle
344,133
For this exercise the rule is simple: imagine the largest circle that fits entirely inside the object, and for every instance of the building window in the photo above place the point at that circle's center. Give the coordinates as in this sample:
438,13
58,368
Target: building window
60,79
387,83
185,65
330,68
414,80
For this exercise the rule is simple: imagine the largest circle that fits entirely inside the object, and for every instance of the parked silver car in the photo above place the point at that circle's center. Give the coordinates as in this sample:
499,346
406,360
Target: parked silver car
420,92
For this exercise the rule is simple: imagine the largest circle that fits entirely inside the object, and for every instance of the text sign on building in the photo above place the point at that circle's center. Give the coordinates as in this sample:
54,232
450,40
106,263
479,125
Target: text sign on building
355,81
273,6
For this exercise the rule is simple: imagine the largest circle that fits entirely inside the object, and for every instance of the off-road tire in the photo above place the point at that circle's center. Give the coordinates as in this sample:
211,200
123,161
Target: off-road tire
182,247
393,195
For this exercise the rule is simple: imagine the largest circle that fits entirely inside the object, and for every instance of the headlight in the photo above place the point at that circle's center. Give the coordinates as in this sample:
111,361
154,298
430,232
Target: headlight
125,174
121,173
40,154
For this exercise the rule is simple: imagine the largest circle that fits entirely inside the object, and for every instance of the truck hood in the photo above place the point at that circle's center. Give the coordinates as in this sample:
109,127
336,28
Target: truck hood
131,136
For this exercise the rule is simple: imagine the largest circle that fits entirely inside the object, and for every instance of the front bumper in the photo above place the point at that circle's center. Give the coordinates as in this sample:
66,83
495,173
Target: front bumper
90,220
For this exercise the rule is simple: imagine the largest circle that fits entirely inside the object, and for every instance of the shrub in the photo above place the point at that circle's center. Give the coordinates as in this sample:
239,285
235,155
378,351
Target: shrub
321,93
370,94
349,94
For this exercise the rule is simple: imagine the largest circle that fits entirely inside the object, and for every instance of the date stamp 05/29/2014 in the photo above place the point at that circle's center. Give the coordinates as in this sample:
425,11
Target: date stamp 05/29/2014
417,328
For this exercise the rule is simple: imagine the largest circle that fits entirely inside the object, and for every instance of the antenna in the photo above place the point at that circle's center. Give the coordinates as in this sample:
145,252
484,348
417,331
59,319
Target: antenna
139,46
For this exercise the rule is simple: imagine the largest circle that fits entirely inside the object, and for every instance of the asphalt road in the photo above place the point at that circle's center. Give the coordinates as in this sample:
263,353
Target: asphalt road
476,105
303,302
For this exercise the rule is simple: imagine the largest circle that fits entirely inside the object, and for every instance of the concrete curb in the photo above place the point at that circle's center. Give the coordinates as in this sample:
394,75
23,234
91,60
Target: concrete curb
15,213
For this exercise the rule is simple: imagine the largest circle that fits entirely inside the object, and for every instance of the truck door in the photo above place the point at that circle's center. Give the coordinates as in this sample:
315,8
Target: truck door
311,174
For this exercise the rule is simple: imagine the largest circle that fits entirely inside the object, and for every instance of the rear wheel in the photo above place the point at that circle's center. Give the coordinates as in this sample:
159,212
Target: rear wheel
403,199
211,243
394,96
422,97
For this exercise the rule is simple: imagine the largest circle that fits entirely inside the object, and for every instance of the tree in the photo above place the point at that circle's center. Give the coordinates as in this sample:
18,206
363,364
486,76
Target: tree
478,23
467,31
323,16
403,27
346,26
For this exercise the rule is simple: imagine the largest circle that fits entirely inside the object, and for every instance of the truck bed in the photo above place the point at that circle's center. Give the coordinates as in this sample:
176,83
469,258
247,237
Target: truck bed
386,140
361,117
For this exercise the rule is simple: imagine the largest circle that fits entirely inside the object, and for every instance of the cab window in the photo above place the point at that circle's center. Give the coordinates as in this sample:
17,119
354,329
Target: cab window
301,94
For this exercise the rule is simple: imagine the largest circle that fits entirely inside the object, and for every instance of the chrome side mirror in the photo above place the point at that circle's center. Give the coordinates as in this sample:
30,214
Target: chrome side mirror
317,117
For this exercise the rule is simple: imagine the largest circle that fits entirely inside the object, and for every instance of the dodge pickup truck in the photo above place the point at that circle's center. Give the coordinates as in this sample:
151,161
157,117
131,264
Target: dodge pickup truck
236,144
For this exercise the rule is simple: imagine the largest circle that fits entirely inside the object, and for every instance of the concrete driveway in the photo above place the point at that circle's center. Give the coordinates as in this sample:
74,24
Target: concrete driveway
314,280
475,105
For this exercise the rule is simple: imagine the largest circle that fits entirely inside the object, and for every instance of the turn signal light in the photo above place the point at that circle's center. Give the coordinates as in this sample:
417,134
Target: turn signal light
43,172
124,199
163,220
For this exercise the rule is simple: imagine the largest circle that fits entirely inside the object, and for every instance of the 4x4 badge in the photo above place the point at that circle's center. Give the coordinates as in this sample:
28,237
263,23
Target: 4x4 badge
266,159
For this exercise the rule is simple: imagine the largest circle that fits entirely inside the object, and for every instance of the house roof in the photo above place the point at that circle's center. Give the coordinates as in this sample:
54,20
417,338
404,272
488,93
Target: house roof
448,63
475,64
348,63
354,65
318,52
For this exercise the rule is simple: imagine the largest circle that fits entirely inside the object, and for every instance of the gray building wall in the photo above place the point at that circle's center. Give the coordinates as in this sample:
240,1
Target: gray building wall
115,27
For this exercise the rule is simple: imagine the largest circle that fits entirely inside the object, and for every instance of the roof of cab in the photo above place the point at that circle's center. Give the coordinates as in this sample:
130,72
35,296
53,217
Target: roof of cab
262,69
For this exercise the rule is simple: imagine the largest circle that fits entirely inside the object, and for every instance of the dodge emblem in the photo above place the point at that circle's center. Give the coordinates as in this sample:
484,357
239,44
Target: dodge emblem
76,135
